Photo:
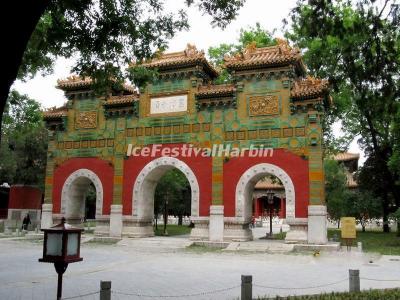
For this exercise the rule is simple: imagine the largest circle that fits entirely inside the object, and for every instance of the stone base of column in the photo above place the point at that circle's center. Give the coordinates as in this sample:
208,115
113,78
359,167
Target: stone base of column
116,221
297,232
47,216
200,231
317,225
216,227
237,231
135,228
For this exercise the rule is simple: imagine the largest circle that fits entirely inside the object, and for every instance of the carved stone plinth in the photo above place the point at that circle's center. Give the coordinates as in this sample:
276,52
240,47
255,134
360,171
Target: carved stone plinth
298,230
135,228
236,230
200,232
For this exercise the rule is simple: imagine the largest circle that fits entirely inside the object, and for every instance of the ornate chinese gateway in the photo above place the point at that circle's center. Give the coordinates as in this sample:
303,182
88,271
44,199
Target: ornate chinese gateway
224,138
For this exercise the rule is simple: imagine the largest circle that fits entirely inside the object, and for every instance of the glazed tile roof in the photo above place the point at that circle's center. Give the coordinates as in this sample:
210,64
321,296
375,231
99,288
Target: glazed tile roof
189,57
76,82
121,100
309,87
346,156
55,113
279,55
215,90
267,184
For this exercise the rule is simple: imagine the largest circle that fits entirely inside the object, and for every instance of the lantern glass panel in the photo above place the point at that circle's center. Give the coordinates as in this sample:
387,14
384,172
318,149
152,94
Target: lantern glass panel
72,247
54,244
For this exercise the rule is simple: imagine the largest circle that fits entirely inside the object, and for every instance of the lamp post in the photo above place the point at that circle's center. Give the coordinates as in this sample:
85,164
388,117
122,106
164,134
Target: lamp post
270,198
61,246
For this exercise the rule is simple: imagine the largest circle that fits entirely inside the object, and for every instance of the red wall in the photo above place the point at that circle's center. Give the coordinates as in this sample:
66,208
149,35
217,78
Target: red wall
295,166
201,167
103,169
25,197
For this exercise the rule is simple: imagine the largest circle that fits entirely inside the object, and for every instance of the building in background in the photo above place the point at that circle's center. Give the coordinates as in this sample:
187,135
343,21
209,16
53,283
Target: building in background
272,184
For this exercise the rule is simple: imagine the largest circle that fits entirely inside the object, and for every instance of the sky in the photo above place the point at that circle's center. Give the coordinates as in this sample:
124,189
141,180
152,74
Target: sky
201,34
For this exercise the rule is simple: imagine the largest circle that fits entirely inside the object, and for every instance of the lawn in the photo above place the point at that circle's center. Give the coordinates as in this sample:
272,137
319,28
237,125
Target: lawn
374,241
172,230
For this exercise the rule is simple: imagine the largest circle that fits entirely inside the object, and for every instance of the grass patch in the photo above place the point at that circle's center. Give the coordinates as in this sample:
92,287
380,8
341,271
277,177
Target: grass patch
101,242
202,249
172,230
280,236
363,295
374,241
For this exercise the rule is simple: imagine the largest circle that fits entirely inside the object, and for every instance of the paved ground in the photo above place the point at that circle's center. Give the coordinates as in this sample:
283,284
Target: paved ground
162,266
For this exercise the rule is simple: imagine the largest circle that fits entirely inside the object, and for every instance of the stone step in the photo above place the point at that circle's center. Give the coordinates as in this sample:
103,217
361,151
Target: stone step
260,247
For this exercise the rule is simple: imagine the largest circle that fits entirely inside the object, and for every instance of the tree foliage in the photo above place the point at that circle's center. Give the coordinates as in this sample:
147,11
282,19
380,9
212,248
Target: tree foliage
106,35
342,202
23,146
356,45
176,186
335,189
102,35
363,206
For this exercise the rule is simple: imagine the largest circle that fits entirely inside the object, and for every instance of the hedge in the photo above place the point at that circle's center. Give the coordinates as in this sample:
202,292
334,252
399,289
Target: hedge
386,294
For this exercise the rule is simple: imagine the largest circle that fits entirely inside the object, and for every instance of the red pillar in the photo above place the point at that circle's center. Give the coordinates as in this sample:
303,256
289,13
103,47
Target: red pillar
256,213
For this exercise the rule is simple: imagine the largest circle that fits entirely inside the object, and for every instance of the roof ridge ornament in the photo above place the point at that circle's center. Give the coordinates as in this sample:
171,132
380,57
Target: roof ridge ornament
284,46
191,51
249,50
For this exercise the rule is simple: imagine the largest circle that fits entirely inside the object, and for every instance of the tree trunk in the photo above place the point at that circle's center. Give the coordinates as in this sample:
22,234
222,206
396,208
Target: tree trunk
18,20
385,217
180,220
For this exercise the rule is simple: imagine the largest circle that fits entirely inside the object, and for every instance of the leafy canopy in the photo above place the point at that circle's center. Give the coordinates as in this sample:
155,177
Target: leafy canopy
23,147
356,45
105,35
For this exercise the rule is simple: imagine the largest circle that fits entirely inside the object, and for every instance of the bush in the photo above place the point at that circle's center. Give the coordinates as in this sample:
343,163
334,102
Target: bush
387,294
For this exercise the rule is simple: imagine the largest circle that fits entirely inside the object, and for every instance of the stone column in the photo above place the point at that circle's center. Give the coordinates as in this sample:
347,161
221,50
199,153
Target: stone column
116,221
317,227
216,228
47,207
47,216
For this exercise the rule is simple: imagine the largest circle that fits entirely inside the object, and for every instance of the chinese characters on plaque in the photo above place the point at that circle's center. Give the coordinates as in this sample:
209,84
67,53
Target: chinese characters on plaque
170,104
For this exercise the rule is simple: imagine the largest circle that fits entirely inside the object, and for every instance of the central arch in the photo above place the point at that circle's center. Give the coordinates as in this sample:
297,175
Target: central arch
245,187
146,182
74,191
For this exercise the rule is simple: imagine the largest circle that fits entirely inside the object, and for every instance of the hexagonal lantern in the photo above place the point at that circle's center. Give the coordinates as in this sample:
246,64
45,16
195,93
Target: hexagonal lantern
61,246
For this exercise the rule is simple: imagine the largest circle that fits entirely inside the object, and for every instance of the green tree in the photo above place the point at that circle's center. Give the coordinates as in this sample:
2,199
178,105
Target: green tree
23,148
102,34
175,184
356,45
260,37
363,206
335,190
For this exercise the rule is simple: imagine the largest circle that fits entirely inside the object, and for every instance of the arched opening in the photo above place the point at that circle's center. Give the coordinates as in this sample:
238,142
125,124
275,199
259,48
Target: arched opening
82,197
144,191
245,190
172,204
269,206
